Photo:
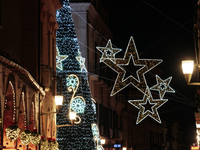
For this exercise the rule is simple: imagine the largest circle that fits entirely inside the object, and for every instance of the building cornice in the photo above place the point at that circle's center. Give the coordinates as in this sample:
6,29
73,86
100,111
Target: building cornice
22,73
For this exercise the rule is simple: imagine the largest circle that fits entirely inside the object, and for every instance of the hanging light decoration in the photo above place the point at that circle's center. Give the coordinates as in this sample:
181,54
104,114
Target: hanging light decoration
12,132
54,144
35,137
49,144
25,137
43,143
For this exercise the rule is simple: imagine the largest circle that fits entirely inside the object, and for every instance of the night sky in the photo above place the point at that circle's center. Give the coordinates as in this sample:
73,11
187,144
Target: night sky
161,30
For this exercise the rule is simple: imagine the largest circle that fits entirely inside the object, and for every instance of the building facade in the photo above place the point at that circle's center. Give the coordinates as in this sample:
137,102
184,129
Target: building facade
28,68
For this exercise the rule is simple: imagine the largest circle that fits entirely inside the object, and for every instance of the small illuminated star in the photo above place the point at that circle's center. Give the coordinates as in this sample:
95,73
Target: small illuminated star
59,59
155,104
108,52
145,65
81,61
162,86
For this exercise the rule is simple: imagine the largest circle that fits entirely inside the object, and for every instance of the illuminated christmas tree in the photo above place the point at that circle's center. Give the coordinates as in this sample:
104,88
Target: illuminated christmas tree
73,83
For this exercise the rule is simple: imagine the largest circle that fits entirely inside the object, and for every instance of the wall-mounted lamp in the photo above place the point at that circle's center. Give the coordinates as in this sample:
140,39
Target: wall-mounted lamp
124,148
58,99
72,116
58,102
187,67
103,141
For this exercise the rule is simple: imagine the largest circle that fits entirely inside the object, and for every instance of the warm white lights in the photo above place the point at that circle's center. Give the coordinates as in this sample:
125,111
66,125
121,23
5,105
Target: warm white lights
198,125
124,148
103,141
58,99
187,66
72,115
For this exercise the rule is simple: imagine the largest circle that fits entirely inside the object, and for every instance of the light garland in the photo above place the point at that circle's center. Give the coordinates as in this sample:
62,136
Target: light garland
35,138
43,144
49,144
24,106
54,145
12,132
14,102
25,137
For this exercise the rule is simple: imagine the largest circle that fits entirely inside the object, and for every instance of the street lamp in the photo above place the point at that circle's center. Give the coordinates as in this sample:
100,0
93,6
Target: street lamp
124,148
103,141
58,102
58,99
187,67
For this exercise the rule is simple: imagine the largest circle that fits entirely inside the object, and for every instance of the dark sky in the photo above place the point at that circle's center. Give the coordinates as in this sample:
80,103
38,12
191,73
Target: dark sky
161,30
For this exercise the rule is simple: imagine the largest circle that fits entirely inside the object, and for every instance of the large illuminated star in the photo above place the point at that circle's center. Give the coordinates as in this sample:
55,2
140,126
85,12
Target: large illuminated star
145,64
108,52
153,113
162,86
59,59
81,61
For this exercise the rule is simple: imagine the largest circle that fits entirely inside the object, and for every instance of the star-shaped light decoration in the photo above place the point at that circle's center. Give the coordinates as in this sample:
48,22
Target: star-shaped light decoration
153,113
59,59
162,86
81,60
108,52
131,52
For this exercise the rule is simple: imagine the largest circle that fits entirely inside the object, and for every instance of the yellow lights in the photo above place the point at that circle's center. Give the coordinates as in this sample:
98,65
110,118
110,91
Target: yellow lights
103,141
58,102
124,148
194,148
198,125
72,115
187,66
58,99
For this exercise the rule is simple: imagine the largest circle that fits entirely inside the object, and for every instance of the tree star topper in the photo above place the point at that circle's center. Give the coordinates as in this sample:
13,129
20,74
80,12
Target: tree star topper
59,59
120,82
162,86
153,113
108,52
81,61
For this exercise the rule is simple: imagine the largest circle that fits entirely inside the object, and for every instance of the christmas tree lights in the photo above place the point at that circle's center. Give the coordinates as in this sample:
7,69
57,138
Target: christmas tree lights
74,86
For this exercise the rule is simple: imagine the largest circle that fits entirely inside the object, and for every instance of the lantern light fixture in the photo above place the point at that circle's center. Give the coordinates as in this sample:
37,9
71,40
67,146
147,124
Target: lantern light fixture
58,99
103,141
58,102
72,116
187,67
